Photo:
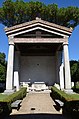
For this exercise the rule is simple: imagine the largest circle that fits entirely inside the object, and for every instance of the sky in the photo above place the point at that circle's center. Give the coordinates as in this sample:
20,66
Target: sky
73,40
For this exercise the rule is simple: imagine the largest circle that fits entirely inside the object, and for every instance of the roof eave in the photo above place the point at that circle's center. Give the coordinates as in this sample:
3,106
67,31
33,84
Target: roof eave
7,30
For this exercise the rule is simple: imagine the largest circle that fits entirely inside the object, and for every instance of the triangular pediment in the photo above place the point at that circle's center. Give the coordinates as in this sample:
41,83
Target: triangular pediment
38,33
38,25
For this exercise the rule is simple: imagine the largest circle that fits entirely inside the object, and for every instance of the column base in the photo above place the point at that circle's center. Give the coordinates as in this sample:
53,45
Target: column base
69,91
9,91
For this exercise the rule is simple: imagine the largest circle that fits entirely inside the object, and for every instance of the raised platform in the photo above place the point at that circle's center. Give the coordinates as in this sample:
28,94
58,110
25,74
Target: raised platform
36,86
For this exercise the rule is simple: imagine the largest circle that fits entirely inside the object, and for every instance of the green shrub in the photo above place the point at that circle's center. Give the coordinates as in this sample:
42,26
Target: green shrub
5,107
76,88
6,102
71,101
17,95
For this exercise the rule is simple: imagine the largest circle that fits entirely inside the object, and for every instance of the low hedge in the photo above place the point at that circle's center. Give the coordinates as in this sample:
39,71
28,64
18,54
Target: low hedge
71,101
5,103
17,95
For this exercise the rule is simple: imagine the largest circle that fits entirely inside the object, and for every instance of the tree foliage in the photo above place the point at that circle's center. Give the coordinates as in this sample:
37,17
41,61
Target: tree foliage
2,67
74,65
12,13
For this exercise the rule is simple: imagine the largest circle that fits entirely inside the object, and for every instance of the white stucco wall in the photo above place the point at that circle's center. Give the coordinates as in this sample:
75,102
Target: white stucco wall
38,69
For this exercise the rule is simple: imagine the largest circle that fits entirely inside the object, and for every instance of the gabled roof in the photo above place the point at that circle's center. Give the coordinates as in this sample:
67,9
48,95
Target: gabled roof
35,23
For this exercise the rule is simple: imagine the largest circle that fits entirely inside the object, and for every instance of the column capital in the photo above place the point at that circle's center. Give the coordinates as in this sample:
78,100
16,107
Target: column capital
65,43
65,40
11,40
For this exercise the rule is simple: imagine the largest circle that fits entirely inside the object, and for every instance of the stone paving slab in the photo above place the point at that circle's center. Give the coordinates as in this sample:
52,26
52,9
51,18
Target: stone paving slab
38,103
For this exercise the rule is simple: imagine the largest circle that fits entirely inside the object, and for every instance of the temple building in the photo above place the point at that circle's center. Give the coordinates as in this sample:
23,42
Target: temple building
38,52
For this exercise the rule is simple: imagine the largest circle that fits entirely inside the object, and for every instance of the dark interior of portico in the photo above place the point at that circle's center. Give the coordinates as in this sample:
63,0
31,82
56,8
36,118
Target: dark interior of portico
38,49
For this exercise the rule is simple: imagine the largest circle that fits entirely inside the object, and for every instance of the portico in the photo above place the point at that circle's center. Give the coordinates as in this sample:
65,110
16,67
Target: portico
36,51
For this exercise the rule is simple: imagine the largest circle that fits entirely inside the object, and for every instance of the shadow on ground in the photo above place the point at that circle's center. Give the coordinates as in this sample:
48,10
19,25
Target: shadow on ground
37,116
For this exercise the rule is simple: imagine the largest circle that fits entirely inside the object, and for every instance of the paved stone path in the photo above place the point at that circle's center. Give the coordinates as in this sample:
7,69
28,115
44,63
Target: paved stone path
37,106
37,103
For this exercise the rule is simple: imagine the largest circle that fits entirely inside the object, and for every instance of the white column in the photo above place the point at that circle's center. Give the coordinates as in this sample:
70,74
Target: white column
9,77
66,66
61,73
16,69
72,84
16,80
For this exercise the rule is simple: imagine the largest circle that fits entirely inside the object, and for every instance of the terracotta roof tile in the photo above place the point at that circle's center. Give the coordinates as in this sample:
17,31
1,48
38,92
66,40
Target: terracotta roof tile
38,20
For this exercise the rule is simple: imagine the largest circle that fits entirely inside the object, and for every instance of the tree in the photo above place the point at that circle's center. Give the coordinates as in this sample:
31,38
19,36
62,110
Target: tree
74,66
2,67
12,13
